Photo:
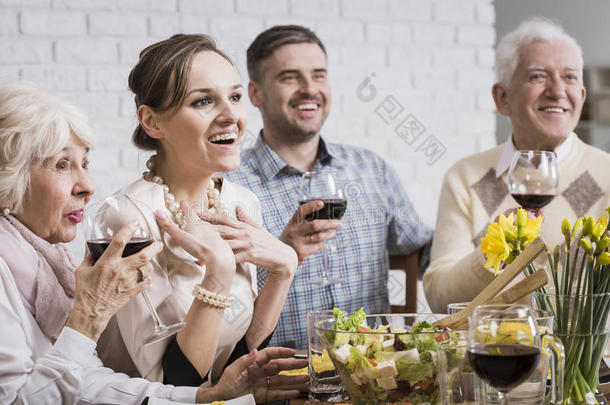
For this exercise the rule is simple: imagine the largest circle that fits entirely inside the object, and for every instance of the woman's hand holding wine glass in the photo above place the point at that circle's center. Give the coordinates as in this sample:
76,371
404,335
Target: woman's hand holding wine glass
104,283
103,222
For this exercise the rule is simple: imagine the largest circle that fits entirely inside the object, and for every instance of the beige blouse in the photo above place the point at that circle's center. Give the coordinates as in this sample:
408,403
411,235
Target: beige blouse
174,275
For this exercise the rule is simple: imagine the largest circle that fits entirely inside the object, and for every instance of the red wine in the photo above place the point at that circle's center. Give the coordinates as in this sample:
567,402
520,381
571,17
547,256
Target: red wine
504,366
533,201
333,208
98,246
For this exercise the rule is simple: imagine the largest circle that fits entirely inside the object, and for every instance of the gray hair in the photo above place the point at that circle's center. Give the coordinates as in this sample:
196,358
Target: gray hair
34,126
537,29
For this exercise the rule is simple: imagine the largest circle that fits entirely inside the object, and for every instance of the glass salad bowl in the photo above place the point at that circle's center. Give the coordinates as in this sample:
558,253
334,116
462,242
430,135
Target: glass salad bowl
386,357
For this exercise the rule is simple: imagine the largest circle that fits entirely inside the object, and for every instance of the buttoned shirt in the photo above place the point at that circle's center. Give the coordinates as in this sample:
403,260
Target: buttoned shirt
379,219
561,151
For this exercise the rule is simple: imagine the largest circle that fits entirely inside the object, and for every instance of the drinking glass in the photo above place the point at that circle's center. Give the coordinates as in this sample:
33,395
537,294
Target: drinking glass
455,374
503,346
323,186
324,382
534,389
533,178
102,220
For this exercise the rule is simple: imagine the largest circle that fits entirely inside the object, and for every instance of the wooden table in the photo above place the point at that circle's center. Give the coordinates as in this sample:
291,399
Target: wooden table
604,388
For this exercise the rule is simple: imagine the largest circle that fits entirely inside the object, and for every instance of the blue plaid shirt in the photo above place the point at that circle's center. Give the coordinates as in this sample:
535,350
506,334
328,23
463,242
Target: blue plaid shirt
379,220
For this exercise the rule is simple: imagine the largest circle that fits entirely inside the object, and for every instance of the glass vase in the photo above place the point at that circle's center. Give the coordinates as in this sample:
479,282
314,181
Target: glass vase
581,322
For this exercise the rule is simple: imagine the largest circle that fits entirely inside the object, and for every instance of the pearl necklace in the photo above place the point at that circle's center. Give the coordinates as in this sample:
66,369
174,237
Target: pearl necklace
172,205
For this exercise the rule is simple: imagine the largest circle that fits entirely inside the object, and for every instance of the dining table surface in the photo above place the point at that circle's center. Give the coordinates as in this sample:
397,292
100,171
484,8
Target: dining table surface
604,389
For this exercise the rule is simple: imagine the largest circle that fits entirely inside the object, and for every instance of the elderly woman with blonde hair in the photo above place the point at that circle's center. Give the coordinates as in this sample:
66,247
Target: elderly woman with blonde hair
53,310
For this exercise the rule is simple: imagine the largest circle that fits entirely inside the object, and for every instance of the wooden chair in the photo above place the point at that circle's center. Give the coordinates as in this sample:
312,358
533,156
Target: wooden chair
408,264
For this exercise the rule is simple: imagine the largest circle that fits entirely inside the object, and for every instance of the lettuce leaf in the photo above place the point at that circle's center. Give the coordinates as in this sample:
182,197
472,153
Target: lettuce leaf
420,326
355,320
340,317
414,371
352,323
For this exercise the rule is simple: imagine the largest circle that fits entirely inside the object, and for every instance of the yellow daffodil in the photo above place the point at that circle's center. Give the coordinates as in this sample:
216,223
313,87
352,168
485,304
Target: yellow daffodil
604,258
577,226
521,219
587,226
509,230
600,227
566,228
602,244
531,230
494,246
505,239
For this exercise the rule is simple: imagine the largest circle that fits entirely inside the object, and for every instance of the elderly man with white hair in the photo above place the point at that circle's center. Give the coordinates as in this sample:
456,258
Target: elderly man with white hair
540,89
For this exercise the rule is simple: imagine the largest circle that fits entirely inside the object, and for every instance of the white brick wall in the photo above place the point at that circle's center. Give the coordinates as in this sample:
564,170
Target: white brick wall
433,58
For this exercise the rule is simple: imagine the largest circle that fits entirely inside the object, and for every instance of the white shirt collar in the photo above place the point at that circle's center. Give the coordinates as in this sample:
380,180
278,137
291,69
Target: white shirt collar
509,150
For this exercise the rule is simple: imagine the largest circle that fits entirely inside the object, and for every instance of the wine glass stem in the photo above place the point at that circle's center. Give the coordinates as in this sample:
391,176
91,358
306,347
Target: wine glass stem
153,312
325,267
503,398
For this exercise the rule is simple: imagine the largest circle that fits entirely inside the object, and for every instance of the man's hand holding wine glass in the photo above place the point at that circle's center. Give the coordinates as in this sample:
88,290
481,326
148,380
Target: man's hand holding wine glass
323,187
307,237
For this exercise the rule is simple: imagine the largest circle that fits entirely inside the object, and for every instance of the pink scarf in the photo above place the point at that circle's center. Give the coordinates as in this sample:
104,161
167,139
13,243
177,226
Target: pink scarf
43,272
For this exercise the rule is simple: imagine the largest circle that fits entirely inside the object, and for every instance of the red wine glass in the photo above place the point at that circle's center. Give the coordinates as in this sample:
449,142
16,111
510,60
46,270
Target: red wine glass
102,220
323,186
503,346
533,178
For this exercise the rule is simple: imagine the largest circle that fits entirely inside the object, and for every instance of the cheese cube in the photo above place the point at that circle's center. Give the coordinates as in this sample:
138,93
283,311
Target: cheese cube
387,383
342,353
387,368
388,346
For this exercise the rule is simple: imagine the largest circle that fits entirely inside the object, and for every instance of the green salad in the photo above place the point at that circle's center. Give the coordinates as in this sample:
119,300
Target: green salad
386,364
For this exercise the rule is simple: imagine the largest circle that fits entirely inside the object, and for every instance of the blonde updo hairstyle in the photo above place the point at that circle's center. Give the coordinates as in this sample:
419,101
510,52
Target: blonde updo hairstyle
160,78
34,126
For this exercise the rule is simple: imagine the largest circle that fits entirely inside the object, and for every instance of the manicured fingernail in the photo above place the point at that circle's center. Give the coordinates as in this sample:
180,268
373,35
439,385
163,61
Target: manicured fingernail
202,214
160,215
134,224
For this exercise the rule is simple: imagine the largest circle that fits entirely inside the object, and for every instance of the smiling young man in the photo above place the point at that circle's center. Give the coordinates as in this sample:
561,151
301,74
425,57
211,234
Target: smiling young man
540,89
289,85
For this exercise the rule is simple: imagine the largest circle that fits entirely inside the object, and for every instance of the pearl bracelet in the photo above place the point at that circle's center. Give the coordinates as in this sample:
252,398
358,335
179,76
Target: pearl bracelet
212,298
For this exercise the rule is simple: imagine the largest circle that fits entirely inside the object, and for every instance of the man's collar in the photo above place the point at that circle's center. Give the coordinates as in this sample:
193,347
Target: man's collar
270,163
509,150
